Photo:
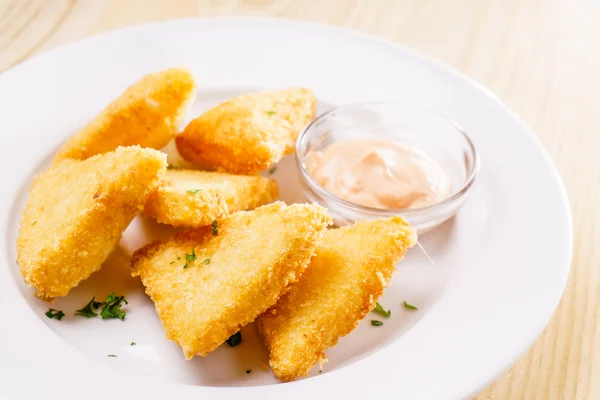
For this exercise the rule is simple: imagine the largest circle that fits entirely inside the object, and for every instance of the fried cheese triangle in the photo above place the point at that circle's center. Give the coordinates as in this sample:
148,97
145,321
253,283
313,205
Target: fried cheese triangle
193,198
349,272
76,213
249,133
147,114
206,283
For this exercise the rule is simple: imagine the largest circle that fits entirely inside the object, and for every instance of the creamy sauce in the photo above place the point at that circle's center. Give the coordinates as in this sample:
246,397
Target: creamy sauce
379,174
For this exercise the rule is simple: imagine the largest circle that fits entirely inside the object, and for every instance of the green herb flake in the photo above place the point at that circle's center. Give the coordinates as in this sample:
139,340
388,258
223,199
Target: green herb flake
111,308
379,310
215,228
57,314
374,322
33,223
89,311
112,355
189,258
272,170
194,191
171,166
248,371
270,112
409,306
172,262
207,261
178,258
235,339
133,343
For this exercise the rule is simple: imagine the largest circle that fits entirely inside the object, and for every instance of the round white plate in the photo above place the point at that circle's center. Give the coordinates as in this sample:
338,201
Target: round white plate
501,264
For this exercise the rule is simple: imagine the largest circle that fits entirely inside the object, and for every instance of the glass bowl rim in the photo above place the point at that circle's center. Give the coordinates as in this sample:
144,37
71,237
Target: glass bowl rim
468,182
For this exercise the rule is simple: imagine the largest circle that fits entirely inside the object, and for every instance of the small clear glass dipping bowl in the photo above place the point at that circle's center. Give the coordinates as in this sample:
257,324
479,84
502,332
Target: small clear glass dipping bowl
440,138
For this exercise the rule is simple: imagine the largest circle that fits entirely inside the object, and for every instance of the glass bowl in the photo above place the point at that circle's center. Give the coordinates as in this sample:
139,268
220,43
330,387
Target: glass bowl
441,139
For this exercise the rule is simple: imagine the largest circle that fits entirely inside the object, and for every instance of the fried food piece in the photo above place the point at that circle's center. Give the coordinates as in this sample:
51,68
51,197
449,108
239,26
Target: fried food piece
207,283
249,133
197,198
148,114
76,213
349,272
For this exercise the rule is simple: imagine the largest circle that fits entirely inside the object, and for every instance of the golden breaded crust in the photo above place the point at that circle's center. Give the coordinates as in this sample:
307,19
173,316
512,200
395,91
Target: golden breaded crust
349,272
249,133
196,198
253,258
76,213
148,114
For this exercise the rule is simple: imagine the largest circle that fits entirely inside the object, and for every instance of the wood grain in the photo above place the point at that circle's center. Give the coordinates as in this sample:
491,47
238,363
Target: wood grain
541,57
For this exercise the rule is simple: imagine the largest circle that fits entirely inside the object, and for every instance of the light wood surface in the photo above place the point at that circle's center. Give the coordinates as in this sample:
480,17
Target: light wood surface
541,57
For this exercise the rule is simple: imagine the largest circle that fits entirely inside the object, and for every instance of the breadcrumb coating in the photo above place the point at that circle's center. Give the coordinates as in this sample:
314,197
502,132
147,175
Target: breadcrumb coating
349,272
76,213
196,198
249,133
148,114
207,284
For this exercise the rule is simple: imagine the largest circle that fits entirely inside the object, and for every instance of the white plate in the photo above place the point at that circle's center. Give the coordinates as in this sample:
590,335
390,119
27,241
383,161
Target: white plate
501,266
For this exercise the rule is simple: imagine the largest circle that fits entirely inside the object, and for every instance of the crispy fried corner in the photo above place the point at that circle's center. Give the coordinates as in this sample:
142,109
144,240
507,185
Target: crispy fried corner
249,133
196,198
76,213
207,284
349,272
148,114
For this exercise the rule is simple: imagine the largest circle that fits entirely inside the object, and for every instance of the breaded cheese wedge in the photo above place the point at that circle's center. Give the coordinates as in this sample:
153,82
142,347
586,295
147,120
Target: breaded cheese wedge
206,283
148,114
349,272
196,198
76,213
249,133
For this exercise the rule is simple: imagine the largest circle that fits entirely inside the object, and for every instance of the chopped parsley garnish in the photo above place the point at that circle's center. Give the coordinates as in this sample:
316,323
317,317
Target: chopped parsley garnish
172,262
235,339
272,170
111,308
207,261
52,313
178,258
171,166
133,343
89,311
374,322
111,355
379,310
409,306
248,371
215,228
189,258
194,191
270,112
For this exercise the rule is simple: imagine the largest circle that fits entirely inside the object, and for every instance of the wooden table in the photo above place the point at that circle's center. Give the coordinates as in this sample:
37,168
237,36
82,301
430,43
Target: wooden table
541,57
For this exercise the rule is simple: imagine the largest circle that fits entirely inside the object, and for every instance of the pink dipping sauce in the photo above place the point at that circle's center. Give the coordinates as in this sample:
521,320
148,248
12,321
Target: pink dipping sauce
379,174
